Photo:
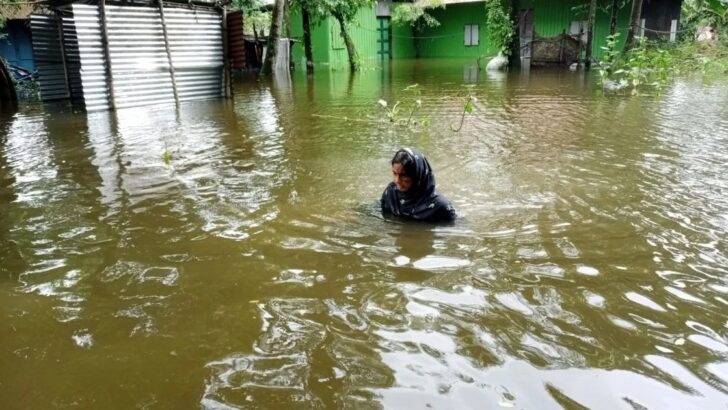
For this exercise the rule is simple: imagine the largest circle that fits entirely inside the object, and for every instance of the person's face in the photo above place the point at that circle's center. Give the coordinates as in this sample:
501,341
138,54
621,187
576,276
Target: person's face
401,180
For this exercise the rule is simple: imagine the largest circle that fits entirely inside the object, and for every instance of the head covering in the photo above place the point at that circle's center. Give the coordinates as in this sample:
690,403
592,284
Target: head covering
420,202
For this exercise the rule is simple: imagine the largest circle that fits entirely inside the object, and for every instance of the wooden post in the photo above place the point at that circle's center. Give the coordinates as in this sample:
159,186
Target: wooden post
107,54
62,40
226,80
634,21
590,35
169,53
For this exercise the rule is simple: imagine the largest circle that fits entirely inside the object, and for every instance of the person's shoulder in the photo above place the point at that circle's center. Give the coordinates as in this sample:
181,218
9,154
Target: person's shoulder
446,212
441,200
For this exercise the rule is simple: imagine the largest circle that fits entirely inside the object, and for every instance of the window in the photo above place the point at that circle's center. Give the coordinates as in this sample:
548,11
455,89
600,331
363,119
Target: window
472,35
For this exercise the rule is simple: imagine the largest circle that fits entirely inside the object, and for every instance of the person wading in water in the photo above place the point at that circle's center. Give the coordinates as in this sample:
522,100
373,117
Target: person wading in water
411,195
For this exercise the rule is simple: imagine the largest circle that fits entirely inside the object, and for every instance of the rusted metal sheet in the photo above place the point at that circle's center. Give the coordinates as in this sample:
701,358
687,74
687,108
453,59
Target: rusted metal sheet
236,41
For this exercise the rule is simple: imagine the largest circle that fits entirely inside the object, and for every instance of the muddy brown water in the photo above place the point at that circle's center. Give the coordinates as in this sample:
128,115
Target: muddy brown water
589,266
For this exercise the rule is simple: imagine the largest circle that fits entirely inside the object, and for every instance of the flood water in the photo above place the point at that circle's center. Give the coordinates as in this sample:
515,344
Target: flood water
589,266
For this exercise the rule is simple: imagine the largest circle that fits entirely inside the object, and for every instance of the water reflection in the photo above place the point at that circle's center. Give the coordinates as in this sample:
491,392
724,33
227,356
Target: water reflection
11,260
254,269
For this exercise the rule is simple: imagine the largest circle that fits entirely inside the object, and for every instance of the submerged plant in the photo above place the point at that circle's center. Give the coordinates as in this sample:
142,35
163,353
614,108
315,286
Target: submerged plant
467,109
413,101
166,157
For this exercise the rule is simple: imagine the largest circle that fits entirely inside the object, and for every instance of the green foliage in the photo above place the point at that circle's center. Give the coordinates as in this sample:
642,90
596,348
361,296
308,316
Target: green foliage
501,30
652,65
28,90
346,9
415,14
317,9
700,13
255,15
609,58
718,7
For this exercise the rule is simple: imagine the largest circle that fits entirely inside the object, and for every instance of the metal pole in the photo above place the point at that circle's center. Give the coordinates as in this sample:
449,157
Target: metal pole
62,40
107,55
169,54
226,77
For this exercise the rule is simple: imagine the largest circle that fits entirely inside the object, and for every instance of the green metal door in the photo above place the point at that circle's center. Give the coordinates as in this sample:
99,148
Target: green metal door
384,37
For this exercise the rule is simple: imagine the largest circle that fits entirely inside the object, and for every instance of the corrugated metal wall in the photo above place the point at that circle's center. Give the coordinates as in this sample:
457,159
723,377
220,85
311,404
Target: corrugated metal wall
139,62
555,16
48,57
91,56
328,46
448,39
236,40
73,60
195,39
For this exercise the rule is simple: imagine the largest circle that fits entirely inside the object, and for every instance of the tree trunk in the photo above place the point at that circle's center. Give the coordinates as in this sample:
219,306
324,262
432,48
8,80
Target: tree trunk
353,57
590,35
634,22
307,40
8,96
273,36
287,18
613,21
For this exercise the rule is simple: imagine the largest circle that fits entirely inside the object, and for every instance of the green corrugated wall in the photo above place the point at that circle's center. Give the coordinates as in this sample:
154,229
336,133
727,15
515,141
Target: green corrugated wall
319,40
551,17
363,31
329,48
448,39
403,44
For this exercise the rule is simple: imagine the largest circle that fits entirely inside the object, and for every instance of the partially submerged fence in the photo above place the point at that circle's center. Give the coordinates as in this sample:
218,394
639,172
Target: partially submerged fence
118,56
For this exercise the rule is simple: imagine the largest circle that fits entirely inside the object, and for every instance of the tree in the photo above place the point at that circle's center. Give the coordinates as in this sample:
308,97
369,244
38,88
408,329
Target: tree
344,12
273,36
501,29
634,22
312,11
416,15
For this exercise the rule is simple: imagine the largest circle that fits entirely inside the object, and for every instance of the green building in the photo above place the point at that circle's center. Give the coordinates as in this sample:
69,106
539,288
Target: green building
462,32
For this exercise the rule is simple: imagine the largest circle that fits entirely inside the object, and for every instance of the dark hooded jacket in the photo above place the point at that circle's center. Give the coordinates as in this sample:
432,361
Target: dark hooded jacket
421,202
